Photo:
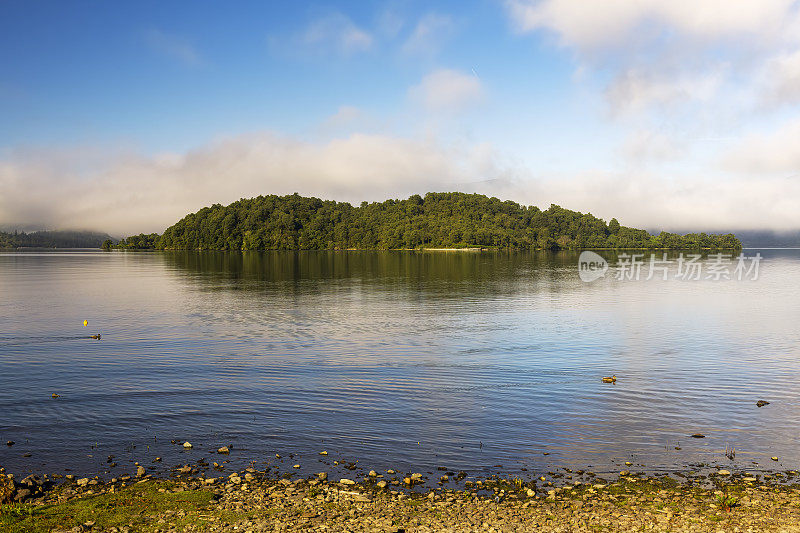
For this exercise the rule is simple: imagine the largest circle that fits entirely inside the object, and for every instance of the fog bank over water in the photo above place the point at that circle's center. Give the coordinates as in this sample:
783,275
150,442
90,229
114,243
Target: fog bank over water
126,192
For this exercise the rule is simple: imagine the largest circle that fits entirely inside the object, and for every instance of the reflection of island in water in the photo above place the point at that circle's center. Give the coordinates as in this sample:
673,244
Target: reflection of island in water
430,271
485,272
397,359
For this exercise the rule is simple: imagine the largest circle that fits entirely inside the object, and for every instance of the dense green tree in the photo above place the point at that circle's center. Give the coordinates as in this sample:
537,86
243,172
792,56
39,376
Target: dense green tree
139,242
435,220
53,239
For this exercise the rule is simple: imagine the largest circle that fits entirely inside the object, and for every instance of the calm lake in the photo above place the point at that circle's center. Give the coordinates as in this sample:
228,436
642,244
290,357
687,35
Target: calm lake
404,360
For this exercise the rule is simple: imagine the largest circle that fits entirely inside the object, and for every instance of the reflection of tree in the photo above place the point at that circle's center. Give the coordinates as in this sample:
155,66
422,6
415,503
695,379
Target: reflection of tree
438,274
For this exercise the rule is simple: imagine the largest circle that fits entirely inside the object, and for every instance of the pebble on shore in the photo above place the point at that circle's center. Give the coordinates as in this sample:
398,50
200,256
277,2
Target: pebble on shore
588,503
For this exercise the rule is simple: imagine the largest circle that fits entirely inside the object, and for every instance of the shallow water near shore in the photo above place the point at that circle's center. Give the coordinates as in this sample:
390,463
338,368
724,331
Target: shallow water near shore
404,360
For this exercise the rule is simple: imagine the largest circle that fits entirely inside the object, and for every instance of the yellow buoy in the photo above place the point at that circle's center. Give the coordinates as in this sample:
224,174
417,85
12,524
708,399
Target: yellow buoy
85,323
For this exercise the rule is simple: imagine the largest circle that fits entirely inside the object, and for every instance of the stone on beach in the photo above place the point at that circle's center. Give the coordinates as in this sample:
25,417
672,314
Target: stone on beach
187,444
302,505
7,488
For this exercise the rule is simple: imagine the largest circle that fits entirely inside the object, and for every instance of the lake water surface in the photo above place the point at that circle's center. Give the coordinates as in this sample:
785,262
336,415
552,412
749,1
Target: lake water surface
402,360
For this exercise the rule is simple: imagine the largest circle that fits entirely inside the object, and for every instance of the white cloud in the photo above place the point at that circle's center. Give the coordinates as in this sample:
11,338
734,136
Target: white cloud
612,22
644,145
124,192
687,202
429,34
783,79
681,49
172,46
129,193
390,22
687,69
337,32
447,90
777,152
636,90
345,116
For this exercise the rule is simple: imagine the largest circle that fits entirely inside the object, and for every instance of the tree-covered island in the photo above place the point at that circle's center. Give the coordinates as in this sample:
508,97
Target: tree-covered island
437,220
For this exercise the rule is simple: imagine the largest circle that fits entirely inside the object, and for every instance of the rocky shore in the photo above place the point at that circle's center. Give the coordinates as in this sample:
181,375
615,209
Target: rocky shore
253,500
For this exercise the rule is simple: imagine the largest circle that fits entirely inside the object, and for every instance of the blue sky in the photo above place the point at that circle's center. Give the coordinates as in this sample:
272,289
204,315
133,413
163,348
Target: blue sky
127,115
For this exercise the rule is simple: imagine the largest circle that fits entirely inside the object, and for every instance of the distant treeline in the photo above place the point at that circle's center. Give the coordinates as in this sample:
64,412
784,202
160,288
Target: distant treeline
437,220
53,239
769,239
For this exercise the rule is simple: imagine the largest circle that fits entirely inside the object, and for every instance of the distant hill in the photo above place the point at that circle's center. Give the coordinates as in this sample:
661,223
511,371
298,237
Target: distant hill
437,220
769,239
53,239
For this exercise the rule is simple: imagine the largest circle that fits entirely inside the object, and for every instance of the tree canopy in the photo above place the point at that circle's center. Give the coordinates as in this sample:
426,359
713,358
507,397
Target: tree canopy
52,239
453,219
